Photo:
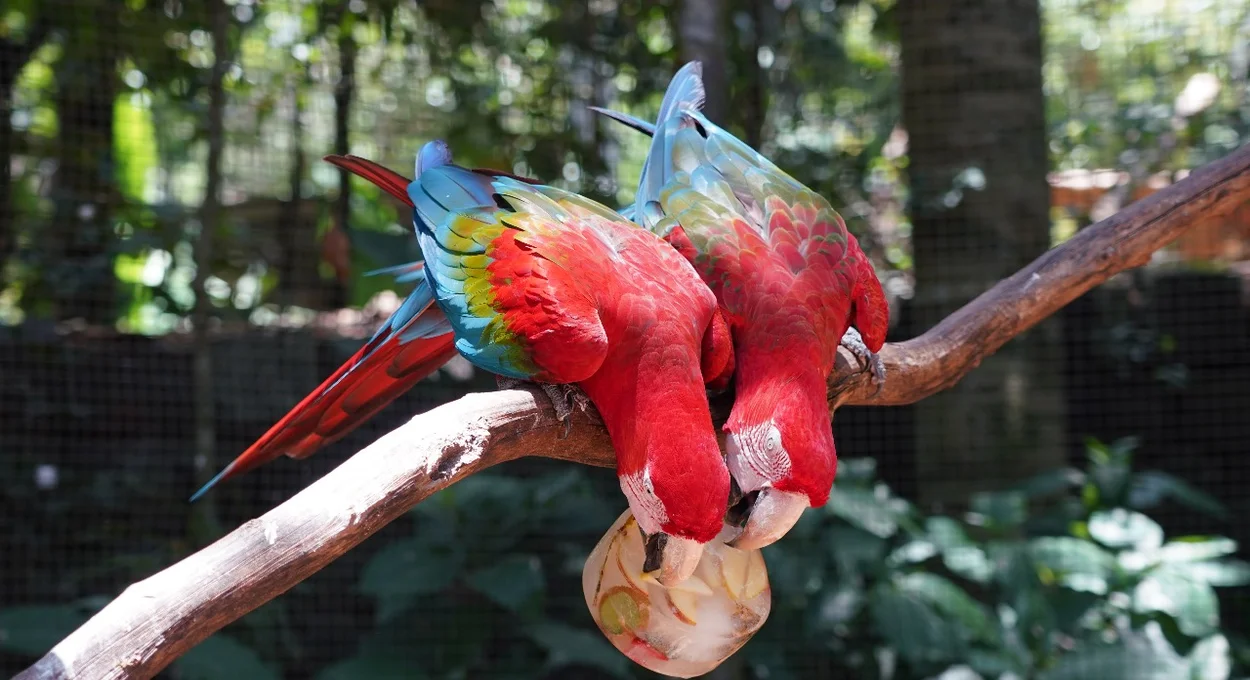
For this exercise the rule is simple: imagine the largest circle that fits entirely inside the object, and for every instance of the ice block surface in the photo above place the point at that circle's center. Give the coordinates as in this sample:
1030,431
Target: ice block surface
685,630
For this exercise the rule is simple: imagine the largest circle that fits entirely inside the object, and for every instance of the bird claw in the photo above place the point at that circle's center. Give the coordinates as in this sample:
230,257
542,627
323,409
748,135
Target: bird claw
853,341
564,398
506,383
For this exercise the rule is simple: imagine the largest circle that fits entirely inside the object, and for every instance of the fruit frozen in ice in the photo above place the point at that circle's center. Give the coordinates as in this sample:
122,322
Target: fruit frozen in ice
684,630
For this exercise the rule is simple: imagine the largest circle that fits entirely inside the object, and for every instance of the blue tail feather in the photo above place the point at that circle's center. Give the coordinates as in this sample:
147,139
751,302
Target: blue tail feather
405,273
626,119
211,483
685,91
432,155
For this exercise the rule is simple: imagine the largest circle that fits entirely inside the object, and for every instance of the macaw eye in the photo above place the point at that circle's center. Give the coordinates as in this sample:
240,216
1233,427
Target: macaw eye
773,438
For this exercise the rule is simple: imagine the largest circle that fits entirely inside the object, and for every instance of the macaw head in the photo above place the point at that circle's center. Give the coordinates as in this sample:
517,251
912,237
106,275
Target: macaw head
678,498
669,463
780,452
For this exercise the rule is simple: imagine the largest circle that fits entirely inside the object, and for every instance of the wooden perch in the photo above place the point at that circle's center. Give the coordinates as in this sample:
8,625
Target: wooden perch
946,353
155,620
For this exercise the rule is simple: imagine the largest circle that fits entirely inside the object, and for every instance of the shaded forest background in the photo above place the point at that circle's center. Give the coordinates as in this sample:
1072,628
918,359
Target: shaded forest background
178,267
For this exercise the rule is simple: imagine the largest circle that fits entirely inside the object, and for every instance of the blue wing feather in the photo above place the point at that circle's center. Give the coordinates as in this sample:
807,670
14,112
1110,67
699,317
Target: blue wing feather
408,322
404,273
440,193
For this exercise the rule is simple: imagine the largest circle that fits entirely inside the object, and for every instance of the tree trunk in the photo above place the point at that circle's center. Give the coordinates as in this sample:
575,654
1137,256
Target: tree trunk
8,219
78,265
344,91
204,525
702,28
13,58
594,148
974,111
752,101
299,283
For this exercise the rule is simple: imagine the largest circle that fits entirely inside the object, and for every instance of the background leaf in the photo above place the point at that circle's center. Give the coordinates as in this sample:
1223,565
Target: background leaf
866,509
913,628
1151,488
1217,573
1120,528
515,581
1066,555
407,569
1210,659
221,656
1001,510
34,630
1193,604
566,645
1196,549
949,599
1123,661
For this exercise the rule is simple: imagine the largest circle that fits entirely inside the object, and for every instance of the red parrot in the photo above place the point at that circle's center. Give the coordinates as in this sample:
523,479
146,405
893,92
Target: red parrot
531,282
791,282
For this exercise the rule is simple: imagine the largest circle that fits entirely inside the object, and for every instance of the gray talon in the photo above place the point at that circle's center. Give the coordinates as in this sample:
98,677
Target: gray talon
564,398
506,383
853,341
560,401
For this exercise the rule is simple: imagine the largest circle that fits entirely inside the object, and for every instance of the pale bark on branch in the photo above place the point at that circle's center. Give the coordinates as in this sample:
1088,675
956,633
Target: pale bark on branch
159,618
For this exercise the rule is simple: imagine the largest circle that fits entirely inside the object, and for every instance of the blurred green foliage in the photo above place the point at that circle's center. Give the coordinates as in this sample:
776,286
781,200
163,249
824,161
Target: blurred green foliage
1142,86
1064,577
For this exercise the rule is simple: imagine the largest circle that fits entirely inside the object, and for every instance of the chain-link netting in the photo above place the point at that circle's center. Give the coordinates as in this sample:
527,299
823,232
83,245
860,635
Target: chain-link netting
179,267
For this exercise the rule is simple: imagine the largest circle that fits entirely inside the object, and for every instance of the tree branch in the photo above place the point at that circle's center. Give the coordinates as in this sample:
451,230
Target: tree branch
946,353
155,620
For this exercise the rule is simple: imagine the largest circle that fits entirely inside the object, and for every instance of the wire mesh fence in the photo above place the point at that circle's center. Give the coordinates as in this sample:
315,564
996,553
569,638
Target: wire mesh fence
1068,511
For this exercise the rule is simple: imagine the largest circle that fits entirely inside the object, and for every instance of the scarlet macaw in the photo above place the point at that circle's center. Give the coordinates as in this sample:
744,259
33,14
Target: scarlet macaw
791,282
535,283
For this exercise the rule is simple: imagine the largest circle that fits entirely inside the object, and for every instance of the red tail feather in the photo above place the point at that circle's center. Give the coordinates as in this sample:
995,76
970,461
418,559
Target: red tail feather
392,371
390,181
331,411
387,369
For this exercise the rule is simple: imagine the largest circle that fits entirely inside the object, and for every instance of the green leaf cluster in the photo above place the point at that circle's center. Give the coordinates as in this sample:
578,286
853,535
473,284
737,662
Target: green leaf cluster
1063,577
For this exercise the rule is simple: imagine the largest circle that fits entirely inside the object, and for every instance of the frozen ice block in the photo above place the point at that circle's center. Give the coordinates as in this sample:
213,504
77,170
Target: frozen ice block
685,630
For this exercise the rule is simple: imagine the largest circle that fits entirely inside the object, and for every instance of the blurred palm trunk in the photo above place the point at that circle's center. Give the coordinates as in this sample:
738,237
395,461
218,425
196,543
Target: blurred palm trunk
299,283
595,149
204,525
344,92
8,217
974,111
702,29
78,249
754,104
13,58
